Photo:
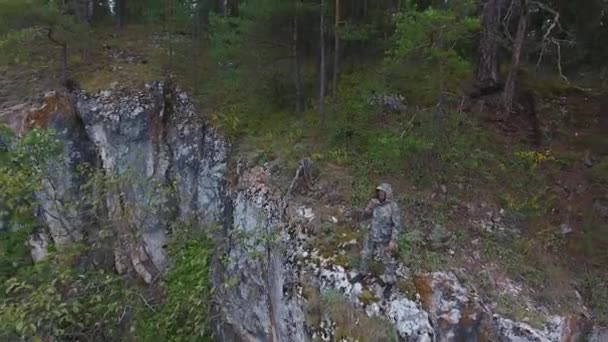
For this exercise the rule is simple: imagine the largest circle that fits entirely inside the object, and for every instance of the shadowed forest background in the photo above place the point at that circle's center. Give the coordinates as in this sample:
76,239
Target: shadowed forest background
498,106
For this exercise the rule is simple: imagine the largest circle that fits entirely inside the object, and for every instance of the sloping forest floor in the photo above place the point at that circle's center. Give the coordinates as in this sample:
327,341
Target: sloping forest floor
476,192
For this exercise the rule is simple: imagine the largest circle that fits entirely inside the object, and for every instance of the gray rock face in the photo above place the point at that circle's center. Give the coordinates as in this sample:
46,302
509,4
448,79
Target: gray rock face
60,206
388,103
256,272
39,243
150,141
599,335
145,144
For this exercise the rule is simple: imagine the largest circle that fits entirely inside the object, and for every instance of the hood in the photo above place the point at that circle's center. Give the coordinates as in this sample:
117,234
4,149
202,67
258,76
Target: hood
388,190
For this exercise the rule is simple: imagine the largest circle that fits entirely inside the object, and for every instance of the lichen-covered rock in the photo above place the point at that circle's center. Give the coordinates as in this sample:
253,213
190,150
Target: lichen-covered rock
599,335
61,208
412,323
153,140
458,314
389,103
255,305
39,245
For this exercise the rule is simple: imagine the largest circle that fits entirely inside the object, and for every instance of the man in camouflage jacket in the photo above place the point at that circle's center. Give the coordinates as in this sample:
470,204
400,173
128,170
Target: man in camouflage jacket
381,241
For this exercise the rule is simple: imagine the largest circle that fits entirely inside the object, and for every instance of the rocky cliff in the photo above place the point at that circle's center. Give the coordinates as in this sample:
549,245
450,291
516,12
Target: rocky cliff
168,164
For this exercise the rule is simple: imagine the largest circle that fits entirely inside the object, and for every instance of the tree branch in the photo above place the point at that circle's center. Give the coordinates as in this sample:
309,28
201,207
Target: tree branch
49,34
546,40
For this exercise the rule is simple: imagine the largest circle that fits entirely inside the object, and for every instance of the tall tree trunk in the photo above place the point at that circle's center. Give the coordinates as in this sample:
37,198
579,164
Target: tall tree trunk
224,9
321,105
171,28
336,50
297,77
510,86
65,76
233,8
121,12
488,69
90,10
204,8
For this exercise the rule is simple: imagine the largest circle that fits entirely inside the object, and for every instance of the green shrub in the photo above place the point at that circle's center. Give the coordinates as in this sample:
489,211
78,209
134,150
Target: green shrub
53,300
57,299
21,169
353,323
184,316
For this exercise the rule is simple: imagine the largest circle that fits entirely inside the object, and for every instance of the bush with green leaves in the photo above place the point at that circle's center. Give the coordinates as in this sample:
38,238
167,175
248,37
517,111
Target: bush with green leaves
65,298
433,42
21,171
184,315
55,300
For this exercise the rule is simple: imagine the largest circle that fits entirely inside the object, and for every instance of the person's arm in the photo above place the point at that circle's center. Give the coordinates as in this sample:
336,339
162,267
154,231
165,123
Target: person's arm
364,214
368,212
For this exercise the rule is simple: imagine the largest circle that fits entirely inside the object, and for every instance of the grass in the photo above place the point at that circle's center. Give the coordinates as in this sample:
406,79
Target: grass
514,308
128,75
353,323
332,236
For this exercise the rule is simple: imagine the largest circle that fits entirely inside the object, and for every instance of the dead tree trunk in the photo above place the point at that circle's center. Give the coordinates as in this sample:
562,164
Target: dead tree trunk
321,104
520,37
488,74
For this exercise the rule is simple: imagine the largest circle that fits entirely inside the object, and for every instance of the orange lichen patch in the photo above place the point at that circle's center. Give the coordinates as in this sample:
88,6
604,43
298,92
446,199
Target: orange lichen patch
486,331
23,118
569,331
444,323
157,126
54,106
424,286
469,315
14,117
574,326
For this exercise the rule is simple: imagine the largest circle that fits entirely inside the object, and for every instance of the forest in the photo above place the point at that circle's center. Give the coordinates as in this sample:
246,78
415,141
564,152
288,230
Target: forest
488,117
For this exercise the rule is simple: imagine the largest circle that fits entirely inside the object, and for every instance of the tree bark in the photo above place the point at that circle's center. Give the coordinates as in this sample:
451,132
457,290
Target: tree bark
488,69
321,105
121,12
510,85
224,7
297,72
336,50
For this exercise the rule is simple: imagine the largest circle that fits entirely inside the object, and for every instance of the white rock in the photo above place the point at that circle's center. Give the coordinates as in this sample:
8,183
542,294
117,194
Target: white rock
39,243
372,310
306,213
412,323
519,332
